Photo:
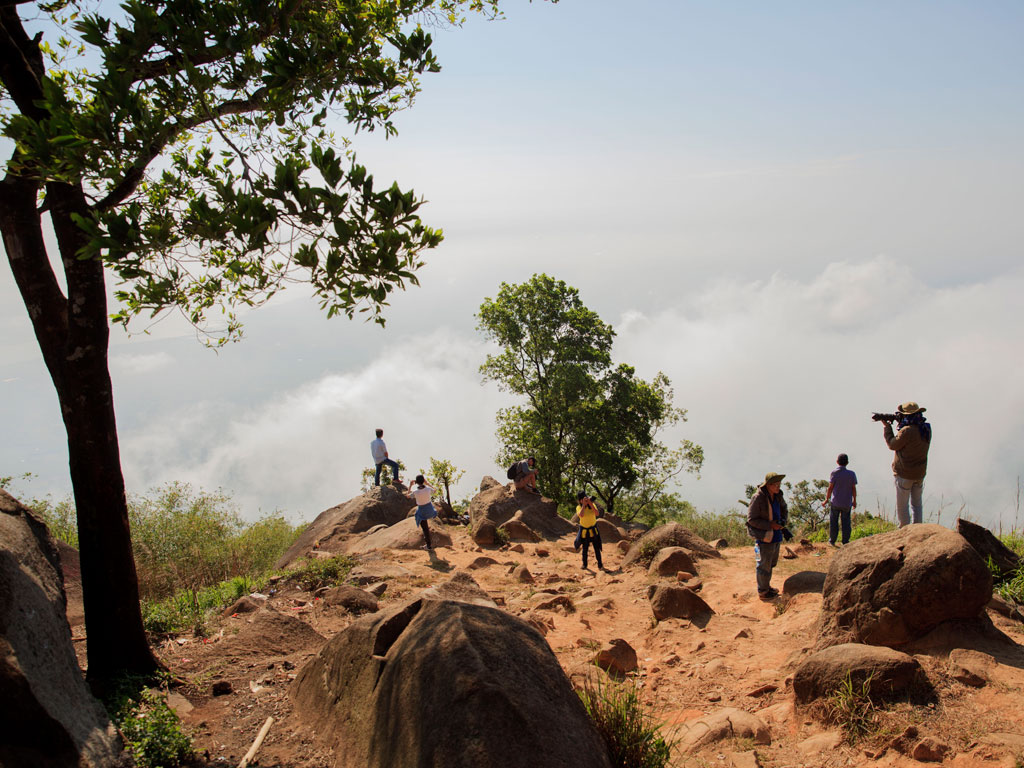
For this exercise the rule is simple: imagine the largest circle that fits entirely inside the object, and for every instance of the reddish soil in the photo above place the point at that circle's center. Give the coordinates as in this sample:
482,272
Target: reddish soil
743,657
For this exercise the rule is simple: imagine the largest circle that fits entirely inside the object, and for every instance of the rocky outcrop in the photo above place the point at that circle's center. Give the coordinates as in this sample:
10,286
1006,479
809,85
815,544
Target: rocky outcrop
445,683
381,505
1004,560
889,671
500,503
647,546
895,587
402,535
48,717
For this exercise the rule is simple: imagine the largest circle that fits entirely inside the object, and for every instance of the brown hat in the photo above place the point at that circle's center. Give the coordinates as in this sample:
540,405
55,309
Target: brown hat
910,408
773,477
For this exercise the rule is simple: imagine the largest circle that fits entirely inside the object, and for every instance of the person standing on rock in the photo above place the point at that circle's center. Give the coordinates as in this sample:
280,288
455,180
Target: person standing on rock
587,533
379,451
767,515
526,475
842,490
911,444
421,493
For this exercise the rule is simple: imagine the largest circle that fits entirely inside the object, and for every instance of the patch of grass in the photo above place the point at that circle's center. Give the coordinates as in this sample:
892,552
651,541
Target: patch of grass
315,573
500,537
630,734
850,707
1013,589
151,730
861,525
188,610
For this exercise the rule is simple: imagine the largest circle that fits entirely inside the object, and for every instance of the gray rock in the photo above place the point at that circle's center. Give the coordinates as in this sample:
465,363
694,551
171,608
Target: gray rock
444,683
49,718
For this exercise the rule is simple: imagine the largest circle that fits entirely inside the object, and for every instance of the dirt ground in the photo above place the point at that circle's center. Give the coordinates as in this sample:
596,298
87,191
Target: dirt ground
743,657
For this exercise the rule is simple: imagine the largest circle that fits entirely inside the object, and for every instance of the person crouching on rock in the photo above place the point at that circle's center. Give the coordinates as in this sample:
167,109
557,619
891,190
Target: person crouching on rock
421,493
766,517
587,533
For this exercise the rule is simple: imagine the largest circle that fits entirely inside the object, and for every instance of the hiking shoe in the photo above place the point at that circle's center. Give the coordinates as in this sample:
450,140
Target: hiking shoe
768,595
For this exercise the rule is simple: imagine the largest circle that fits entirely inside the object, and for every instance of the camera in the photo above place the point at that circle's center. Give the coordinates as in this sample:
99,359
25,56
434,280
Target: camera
787,534
886,417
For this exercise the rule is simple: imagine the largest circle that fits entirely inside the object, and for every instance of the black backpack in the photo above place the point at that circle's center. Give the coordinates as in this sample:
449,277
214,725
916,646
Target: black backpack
511,474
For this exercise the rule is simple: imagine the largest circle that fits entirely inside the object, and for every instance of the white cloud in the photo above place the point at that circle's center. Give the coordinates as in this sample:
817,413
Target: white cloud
304,450
132,365
784,374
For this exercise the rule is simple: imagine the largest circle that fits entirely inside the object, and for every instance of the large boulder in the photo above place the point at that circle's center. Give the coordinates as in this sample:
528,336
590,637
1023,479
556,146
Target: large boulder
381,505
499,503
72,570
402,535
892,588
647,546
445,683
48,717
1004,560
890,671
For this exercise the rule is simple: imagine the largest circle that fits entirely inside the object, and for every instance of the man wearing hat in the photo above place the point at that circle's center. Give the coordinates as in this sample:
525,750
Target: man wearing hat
911,443
766,517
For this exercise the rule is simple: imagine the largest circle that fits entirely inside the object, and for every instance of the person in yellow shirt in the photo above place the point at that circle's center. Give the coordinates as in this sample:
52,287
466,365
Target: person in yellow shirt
587,533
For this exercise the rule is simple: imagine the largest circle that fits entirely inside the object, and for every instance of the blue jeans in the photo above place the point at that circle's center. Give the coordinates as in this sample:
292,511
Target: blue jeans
766,554
908,492
834,516
394,470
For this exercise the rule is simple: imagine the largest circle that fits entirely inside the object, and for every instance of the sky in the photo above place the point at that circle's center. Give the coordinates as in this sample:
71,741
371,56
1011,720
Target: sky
801,212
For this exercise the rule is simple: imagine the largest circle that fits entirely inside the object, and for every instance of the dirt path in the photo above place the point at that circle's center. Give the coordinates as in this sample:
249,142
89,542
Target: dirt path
743,657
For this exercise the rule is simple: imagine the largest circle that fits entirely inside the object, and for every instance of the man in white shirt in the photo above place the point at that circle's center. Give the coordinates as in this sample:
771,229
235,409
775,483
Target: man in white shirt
379,451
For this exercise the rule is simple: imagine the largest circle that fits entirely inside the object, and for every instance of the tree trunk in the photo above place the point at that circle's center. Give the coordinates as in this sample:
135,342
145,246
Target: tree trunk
73,336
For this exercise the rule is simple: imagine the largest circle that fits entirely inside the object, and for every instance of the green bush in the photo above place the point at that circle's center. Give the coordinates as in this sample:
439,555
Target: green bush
188,610
632,737
59,517
151,730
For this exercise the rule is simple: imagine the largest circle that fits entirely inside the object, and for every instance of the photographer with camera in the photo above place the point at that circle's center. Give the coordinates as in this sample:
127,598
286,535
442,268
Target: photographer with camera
911,443
766,523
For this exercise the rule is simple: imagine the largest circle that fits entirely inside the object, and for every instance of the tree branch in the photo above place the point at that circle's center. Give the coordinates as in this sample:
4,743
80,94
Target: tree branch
133,177
21,65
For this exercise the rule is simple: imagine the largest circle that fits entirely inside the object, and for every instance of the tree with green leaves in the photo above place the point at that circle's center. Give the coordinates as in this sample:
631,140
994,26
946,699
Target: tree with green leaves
184,148
444,474
589,423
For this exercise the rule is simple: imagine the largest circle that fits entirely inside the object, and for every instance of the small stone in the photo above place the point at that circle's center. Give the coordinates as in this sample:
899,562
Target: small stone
745,632
617,658
930,750
517,548
522,574
714,697
542,551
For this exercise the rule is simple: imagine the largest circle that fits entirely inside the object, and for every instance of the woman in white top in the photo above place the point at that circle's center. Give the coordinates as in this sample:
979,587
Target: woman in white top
421,493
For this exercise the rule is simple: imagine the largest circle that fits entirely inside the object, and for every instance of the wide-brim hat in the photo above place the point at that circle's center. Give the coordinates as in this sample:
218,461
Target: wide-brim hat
773,477
910,408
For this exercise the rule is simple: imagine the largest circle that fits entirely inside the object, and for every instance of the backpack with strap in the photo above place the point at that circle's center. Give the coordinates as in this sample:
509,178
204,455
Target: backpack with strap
511,474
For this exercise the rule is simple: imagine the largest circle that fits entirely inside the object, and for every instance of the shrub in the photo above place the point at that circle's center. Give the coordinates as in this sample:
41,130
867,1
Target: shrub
151,730
315,573
632,738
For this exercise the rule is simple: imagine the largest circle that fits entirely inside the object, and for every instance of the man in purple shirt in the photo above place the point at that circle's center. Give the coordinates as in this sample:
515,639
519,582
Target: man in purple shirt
842,490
